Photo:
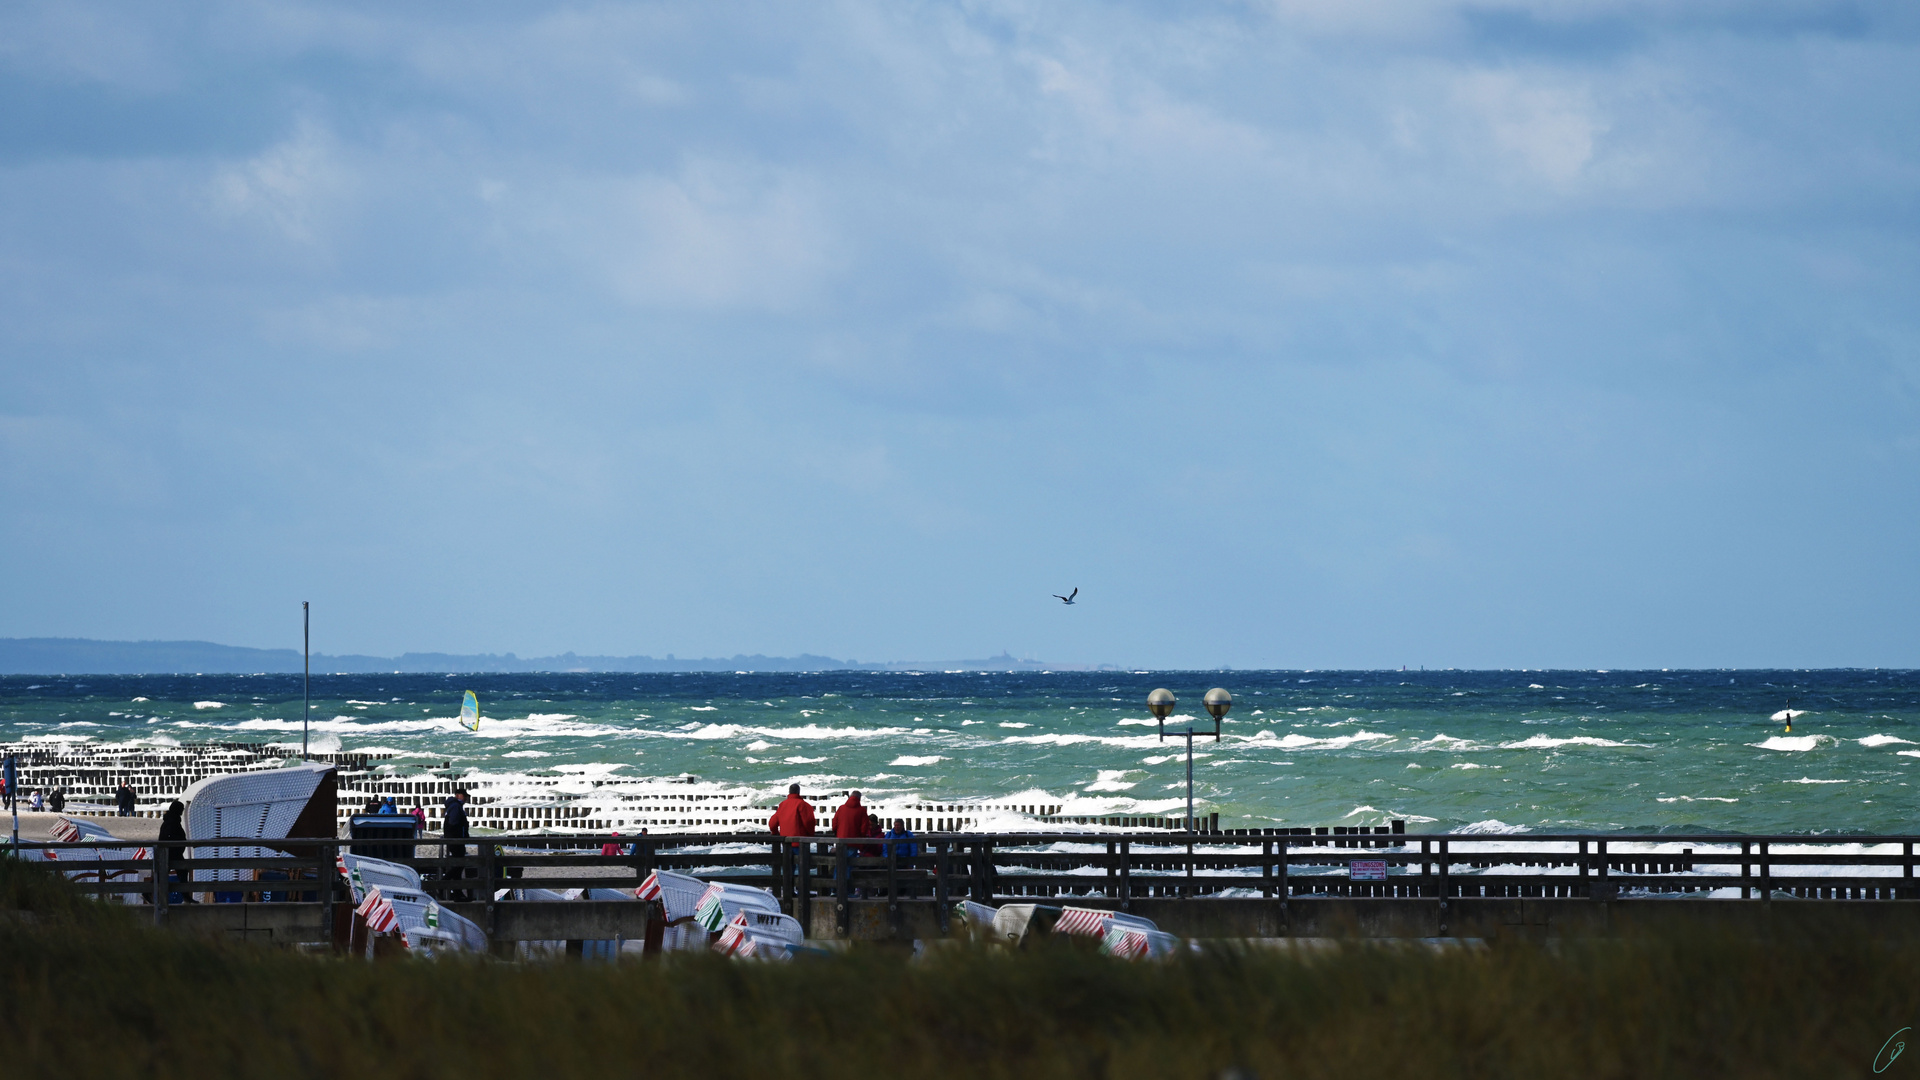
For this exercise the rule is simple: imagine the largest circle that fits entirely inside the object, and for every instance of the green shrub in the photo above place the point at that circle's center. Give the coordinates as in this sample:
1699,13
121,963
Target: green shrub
108,997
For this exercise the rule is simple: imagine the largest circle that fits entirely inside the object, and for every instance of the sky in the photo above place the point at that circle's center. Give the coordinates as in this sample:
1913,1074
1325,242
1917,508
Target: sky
1291,334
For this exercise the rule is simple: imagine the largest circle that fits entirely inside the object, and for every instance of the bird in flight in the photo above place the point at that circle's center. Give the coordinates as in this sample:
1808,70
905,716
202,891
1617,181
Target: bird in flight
1069,598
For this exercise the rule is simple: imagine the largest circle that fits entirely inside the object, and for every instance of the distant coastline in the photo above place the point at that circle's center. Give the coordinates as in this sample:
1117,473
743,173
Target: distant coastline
84,656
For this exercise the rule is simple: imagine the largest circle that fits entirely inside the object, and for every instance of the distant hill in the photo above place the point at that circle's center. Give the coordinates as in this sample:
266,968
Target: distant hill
83,656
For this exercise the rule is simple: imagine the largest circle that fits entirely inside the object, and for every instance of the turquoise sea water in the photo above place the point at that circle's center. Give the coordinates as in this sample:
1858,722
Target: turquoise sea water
1484,751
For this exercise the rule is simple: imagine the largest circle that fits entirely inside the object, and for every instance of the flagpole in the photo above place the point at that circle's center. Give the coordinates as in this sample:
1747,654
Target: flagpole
306,679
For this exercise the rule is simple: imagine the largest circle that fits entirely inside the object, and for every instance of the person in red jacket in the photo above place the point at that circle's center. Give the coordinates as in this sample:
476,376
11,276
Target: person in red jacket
852,819
794,816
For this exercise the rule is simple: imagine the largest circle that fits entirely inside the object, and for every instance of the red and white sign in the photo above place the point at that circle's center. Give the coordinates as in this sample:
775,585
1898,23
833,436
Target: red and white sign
1367,870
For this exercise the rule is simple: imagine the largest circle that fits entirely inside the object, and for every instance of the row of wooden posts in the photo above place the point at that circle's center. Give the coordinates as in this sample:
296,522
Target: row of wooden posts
993,868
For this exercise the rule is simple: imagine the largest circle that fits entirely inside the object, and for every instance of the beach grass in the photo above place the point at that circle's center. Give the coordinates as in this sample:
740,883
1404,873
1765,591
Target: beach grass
92,992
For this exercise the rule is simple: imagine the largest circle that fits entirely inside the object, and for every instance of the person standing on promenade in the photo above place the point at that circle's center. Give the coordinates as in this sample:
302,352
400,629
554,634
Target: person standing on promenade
852,819
123,798
794,815
57,802
454,827
35,801
173,829
419,815
899,831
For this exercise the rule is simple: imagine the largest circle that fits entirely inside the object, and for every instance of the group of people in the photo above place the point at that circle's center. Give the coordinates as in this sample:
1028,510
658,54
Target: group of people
795,817
379,805
37,800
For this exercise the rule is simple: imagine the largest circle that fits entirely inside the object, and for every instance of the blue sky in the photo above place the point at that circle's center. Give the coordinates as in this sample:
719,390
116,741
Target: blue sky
1293,334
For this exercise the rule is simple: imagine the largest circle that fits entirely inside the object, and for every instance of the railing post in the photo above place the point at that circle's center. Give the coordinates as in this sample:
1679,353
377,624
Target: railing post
842,888
1266,869
1583,863
1280,850
1126,878
323,883
1766,871
160,885
1426,868
893,887
986,871
1445,887
1107,890
486,887
1746,870
804,895
1186,890
940,912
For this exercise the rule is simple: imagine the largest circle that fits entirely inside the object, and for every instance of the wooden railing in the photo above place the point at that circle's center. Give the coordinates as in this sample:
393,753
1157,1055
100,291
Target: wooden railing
1108,869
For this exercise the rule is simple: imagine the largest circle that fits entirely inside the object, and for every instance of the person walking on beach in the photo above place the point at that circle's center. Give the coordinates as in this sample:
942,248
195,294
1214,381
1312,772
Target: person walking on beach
123,798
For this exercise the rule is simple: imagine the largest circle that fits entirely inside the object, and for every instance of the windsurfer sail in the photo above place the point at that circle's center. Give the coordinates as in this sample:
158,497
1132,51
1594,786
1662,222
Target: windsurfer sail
470,711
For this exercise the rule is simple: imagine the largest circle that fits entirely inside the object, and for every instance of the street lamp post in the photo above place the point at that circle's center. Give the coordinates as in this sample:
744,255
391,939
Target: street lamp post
1161,703
306,678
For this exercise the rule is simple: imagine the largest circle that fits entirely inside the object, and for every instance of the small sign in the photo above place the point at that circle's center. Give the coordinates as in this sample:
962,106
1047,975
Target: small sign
1367,870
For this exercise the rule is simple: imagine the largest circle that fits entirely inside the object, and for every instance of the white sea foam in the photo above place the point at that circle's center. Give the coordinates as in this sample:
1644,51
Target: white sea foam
1799,743
490,727
1809,780
905,759
1057,739
759,744
527,753
1535,686
1013,724
1293,740
805,731
1110,780
1471,765
1908,753
1139,722
1697,798
1884,740
1545,742
805,760
1491,826
209,704
704,708
142,699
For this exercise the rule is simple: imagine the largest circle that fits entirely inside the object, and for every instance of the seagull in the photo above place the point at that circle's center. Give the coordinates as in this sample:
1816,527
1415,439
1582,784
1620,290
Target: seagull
1067,599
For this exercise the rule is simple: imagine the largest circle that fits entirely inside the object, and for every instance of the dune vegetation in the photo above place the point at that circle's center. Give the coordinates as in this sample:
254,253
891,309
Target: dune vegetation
92,992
